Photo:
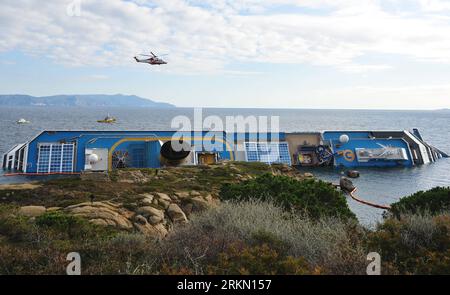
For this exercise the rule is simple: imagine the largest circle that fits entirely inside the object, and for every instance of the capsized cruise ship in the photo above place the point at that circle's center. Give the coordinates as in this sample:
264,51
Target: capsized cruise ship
66,152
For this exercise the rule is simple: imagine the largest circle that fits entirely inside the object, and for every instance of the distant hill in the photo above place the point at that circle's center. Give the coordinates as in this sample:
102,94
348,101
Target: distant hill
95,100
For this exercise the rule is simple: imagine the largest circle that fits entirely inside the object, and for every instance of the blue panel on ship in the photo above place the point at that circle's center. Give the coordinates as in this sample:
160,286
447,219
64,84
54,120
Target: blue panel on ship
360,149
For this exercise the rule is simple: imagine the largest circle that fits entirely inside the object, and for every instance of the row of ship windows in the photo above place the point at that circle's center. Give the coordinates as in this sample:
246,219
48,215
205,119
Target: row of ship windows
55,158
59,157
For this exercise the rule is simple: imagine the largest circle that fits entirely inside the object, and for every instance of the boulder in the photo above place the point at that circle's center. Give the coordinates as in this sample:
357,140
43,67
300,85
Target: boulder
308,175
346,184
176,214
158,231
140,219
108,205
153,220
164,203
352,173
199,203
149,211
212,201
100,222
161,229
182,195
32,211
163,196
147,199
108,212
195,193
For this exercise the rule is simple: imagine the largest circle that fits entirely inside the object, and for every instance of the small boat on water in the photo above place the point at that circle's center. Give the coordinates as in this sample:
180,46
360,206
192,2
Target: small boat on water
108,120
23,121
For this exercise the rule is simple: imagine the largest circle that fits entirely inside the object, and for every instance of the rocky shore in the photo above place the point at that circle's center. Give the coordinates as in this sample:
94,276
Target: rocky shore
231,218
148,201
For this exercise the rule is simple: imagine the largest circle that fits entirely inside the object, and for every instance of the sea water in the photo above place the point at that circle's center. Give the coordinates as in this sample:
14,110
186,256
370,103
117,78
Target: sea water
383,186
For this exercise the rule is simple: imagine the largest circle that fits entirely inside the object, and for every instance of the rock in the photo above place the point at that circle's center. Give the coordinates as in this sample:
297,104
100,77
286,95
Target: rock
100,222
146,229
308,175
176,214
147,199
149,211
140,219
195,194
110,213
153,220
164,203
182,195
32,211
352,173
161,230
240,177
158,231
108,205
199,203
346,184
164,197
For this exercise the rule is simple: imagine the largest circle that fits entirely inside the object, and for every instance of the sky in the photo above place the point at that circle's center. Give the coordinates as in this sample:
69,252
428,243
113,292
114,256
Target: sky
344,54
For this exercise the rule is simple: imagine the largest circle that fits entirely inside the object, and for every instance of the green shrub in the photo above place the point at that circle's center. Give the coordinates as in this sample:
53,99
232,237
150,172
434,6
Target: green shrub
58,220
312,197
331,244
433,201
258,260
65,226
413,244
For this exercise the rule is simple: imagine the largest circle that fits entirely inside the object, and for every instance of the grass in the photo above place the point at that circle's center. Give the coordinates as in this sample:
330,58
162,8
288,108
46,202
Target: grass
432,201
255,223
68,191
312,197
266,225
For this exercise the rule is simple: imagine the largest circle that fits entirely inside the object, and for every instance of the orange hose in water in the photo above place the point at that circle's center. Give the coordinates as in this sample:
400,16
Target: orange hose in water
354,197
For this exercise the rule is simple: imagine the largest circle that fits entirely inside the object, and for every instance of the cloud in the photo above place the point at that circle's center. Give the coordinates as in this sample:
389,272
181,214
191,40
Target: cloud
208,36
398,97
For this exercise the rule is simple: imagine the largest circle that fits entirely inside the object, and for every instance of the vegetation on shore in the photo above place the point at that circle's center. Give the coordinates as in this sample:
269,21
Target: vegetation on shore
276,223
309,196
434,201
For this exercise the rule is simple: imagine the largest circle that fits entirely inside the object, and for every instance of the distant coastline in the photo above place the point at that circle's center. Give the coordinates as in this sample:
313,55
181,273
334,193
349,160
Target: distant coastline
93,100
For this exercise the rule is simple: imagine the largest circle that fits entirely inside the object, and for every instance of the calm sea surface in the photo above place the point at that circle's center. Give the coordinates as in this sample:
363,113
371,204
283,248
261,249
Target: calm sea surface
382,186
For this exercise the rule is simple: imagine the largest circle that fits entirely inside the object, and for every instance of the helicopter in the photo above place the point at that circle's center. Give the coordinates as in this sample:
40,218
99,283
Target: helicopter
152,59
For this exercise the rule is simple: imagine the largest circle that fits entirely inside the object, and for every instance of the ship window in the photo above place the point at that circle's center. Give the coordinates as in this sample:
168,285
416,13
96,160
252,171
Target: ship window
269,153
55,158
